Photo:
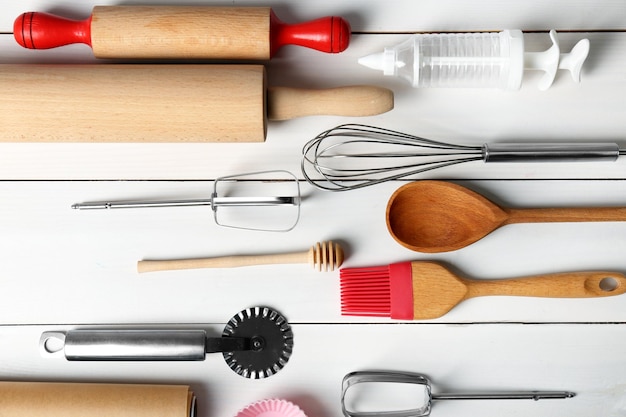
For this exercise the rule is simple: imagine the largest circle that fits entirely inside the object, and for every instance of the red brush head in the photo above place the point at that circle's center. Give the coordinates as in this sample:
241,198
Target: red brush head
328,34
380,291
44,31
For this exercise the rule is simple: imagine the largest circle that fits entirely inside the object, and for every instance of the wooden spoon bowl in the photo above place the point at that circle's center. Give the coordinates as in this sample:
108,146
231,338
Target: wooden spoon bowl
437,216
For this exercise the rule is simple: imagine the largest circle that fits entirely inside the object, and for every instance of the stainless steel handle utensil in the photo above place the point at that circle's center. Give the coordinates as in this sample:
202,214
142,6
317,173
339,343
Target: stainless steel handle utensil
243,192
550,152
135,345
424,408
256,343
354,156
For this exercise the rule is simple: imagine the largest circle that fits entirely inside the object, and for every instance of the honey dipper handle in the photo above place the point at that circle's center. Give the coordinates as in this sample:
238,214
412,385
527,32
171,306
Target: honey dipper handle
565,285
221,262
285,103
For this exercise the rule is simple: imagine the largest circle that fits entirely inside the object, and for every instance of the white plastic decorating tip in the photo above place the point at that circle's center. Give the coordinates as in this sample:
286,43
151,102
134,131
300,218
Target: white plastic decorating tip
373,61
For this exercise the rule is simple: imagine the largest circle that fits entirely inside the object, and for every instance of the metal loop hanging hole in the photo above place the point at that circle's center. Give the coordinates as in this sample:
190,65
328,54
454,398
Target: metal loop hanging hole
52,343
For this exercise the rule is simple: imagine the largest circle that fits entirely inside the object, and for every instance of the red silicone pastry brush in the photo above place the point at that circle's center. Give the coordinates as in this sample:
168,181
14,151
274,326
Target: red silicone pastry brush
427,290
200,32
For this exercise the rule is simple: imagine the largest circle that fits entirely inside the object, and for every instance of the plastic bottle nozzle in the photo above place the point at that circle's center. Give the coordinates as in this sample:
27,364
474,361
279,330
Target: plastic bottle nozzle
373,61
383,61
495,60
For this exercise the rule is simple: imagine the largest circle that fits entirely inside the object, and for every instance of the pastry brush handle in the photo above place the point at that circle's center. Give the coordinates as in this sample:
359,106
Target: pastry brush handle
221,262
565,285
285,103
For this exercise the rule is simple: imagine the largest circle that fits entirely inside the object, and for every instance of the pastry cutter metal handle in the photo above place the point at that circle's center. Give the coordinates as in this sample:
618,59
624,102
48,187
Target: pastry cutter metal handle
424,408
138,345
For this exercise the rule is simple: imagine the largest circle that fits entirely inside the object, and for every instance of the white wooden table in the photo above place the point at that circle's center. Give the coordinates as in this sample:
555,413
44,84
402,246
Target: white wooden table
64,269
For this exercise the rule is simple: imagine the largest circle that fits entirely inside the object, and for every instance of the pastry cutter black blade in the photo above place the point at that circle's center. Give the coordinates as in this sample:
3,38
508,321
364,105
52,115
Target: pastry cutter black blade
271,341
256,343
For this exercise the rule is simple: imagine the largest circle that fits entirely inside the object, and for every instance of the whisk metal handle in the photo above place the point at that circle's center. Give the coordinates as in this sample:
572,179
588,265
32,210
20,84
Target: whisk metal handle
550,152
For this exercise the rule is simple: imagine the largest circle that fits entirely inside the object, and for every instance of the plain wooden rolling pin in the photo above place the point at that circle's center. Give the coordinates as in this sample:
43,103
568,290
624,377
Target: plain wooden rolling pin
66,399
161,103
181,32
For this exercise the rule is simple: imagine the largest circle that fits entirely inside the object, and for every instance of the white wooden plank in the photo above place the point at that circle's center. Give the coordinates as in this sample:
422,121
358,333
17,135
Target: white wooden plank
394,15
586,359
62,268
79,266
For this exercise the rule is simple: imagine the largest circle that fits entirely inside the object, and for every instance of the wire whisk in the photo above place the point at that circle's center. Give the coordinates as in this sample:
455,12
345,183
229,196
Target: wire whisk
353,156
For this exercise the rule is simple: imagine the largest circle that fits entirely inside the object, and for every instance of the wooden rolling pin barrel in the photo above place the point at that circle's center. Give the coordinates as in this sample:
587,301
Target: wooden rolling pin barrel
161,103
192,32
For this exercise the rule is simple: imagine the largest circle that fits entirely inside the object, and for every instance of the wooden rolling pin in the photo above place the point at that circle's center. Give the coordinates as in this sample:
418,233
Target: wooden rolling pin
181,32
161,103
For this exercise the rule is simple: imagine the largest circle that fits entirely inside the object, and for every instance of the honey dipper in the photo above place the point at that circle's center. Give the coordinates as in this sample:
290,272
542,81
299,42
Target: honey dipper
325,256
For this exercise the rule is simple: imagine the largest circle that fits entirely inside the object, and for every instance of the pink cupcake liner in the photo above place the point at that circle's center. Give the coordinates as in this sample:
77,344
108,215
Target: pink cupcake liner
271,408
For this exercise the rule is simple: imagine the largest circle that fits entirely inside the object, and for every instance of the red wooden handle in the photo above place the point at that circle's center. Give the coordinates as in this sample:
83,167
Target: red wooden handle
327,34
36,30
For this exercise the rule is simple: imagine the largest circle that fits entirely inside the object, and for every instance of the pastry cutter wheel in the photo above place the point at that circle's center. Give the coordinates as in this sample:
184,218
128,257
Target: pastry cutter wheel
274,196
256,343
374,378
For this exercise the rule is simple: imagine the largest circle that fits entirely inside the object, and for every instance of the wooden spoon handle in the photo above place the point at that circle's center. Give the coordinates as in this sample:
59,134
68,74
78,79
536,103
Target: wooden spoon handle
582,214
285,103
221,262
566,285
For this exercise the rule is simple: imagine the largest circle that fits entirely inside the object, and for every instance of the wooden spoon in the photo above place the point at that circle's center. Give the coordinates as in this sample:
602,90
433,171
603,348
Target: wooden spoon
436,216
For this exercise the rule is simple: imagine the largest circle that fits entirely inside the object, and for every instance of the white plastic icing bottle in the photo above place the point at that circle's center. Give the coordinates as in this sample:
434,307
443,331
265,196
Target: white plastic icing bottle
477,60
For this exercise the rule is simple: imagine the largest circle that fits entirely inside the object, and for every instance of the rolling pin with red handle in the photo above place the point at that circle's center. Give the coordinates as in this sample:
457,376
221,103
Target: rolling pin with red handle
193,32
161,103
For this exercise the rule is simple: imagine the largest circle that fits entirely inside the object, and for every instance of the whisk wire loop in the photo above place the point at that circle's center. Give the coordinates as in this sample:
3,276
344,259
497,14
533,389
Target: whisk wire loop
353,156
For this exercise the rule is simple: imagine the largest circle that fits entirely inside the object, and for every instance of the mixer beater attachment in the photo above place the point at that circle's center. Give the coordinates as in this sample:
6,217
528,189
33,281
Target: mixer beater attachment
264,200
353,156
